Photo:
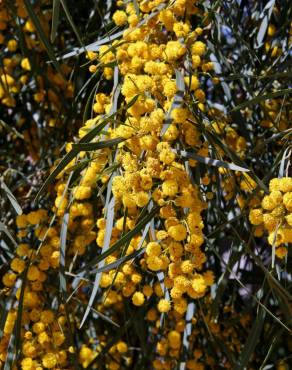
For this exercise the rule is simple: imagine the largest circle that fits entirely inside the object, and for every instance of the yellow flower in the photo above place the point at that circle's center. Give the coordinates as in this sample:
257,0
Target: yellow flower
82,192
169,89
270,222
198,48
187,267
153,249
9,279
174,339
33,273
25,64
122,347
287,200
49,360
12,45
147,290
180,306
281,252
120,17
154,263
192,82
174,50
21,221
256,216
177,232
17,265
169,188
179,115
164,305
199,284
47,316
138,299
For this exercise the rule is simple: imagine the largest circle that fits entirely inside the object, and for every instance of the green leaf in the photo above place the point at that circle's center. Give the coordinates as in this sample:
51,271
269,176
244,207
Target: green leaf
120,261
72,24
55,19
87,147
62,164
11,198
127,237
63,240
87,114
77,148
259,98
286,157
213,162
42,36
96,130
72,154
252,340
63,281
136,6
94,46
214,140
103,316
222,284
274,340
4,229
11,129
266,15
109,226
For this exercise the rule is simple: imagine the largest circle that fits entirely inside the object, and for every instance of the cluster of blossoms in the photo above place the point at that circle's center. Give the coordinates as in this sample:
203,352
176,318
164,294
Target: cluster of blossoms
24,73
275,214
149,169
42,328
16,70
148,172
158,68
276,115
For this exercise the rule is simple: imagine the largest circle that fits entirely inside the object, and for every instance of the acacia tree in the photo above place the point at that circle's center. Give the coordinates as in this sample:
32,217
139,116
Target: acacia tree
152,184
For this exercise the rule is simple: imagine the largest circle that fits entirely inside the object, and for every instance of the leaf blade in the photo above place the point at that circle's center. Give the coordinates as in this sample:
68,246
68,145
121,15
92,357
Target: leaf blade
55,19
11,198
42,36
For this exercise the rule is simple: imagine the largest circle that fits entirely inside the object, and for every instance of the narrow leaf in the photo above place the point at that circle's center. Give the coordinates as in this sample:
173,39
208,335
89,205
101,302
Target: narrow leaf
251,341
63,238
109,226
72,24
213,162
258,99
11,198
267,12
87,147
62,164
55,19
4,229
35,20
123,240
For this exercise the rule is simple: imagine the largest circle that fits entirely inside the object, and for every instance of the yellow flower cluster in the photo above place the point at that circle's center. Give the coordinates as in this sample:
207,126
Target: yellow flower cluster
275,214
149,168
158,175
148,71
160,57
276,115
44,330
15,72
25,75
